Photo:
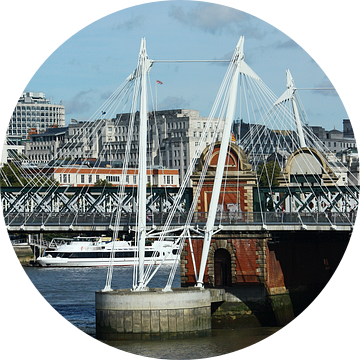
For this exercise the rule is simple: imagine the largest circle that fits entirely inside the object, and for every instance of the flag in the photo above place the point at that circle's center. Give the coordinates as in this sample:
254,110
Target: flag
233,139
159,82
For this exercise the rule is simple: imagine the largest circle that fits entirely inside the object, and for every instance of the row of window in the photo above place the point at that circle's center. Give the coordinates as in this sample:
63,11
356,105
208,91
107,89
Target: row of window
342,145
175,163
104,255
33,115
65,178
38,108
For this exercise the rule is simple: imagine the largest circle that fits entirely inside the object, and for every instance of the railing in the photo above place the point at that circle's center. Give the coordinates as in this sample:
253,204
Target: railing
199,218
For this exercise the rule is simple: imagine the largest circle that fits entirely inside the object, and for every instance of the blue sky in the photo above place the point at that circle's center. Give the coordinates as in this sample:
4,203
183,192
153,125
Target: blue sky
90,65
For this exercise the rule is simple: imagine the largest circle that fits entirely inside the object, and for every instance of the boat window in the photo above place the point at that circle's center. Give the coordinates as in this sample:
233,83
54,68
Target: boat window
124,254
88,254
61,255
152,254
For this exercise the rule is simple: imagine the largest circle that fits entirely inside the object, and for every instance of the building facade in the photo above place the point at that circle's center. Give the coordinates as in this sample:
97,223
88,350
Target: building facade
83,175
44,147
173,138
335,140
34,111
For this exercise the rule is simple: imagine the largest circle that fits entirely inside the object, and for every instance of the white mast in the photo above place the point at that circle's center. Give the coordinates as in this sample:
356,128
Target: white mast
289,94
145,65
238,60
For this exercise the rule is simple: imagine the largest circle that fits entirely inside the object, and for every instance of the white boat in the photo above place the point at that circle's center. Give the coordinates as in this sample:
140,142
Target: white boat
95,251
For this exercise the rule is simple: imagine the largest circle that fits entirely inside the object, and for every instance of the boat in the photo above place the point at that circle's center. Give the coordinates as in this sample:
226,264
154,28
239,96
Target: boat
96,251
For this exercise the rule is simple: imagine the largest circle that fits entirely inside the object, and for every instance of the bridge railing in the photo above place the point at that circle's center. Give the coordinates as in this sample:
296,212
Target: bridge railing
199,218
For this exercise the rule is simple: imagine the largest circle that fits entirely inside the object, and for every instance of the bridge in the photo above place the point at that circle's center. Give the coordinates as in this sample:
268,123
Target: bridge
230,222
278,178
94,209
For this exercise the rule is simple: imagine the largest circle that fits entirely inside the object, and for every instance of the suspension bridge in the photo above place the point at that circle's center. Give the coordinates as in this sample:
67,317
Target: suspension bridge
294,181
278,182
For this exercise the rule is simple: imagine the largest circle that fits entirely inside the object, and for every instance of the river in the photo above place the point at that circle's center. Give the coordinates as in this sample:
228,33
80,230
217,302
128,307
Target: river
71,292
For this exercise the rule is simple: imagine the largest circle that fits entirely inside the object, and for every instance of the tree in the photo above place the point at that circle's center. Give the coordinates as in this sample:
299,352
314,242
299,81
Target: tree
11,176
268,174
103,183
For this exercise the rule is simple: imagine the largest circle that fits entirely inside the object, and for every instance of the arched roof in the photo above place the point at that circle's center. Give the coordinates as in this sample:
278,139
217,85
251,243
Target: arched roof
236,158
309,162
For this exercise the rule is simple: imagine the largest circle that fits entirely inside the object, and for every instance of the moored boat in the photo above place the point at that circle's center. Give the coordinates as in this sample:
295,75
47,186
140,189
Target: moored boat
95,251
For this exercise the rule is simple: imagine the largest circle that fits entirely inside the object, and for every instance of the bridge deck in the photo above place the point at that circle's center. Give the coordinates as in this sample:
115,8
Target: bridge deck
271,221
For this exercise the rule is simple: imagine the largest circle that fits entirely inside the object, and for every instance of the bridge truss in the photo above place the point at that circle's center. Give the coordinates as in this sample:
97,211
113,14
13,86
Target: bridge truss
311,199
98,200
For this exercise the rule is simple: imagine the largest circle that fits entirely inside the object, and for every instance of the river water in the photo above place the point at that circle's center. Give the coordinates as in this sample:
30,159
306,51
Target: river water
71,292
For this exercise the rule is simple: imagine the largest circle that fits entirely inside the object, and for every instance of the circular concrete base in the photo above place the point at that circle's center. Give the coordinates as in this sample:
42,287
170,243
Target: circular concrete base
152,314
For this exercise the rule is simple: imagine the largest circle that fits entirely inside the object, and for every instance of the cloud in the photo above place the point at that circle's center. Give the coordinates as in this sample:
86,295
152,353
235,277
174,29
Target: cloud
130,24
325,88
215,19
173,102
79,104
227,56
289,44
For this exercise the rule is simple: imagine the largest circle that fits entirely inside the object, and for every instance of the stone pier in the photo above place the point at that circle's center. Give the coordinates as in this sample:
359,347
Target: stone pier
152,314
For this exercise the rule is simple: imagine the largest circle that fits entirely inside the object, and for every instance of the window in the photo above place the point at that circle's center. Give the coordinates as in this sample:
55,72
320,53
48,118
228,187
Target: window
198,125
82,179
134,179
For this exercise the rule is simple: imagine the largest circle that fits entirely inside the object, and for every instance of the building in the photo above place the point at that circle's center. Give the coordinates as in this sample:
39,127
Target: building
173,138
335,140
33,110
44,147
85,175
11,152
347,129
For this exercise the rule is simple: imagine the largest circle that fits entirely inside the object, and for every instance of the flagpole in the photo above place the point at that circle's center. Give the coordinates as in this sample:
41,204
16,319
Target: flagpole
155,96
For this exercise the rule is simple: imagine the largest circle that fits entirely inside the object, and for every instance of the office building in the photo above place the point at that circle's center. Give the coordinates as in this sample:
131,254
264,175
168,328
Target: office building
34,111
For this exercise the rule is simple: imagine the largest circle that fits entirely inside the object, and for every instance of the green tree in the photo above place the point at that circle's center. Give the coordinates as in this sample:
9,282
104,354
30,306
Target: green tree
268,174
103,183
11,176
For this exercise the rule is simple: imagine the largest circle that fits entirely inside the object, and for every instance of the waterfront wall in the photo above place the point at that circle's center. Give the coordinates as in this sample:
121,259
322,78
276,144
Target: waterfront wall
24,253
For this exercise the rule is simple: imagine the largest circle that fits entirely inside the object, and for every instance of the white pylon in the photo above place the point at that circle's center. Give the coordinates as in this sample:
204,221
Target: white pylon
238,60
145,65
289,95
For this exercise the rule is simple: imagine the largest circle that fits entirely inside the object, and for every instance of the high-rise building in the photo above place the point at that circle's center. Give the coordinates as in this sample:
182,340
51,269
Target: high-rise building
34,111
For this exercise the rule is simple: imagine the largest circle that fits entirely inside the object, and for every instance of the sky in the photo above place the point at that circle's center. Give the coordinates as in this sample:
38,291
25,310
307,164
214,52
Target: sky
90,65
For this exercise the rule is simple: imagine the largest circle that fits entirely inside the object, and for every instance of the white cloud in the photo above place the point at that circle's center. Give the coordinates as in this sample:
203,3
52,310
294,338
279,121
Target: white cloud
80,103
215,19
173,102
130,24
325,88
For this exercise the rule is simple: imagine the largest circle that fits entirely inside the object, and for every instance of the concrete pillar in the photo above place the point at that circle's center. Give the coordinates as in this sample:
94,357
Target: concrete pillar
154,314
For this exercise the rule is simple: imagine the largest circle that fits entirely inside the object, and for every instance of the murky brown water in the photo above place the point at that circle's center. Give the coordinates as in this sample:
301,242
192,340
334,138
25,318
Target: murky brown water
219,343
71,291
